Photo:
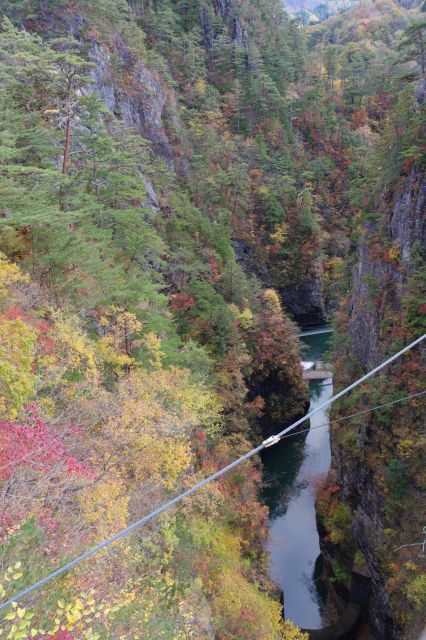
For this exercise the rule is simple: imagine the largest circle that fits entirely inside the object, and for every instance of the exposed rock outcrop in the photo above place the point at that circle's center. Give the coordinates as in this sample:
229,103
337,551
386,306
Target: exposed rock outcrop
139,100
379,283
407,226
304,302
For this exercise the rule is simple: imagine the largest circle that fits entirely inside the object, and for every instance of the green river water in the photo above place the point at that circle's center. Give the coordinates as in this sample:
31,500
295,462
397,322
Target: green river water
292,472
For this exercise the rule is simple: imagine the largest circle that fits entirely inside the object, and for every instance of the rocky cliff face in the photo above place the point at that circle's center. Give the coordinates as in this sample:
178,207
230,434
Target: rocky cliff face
302,301
305,302
406,227
226,10
375,322
140,99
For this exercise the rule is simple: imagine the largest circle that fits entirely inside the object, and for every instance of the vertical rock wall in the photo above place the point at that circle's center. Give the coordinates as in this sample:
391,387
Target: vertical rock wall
375,308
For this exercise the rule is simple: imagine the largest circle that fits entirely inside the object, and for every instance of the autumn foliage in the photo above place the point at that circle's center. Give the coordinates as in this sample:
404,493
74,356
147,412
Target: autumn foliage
91,439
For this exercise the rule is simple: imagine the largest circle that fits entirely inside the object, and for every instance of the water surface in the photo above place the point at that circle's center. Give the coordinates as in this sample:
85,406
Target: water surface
293,470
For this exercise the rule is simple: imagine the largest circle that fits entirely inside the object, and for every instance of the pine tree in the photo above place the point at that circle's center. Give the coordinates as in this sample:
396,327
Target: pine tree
413,45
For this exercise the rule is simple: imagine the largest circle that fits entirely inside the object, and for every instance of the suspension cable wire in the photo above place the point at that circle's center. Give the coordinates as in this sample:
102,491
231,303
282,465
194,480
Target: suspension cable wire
36,598
290,435
338,420
355,384
355,415
359,413
266,443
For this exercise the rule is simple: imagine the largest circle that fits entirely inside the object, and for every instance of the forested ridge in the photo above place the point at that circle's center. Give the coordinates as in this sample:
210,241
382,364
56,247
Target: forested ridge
182,184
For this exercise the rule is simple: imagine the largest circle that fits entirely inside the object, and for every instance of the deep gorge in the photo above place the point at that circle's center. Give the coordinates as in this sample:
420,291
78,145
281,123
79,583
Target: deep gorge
184,184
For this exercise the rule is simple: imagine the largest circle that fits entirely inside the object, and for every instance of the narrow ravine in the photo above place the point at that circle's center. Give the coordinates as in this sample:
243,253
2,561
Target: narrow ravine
292,472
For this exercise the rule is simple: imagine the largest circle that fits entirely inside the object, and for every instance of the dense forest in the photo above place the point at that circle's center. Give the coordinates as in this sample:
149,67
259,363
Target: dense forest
185,183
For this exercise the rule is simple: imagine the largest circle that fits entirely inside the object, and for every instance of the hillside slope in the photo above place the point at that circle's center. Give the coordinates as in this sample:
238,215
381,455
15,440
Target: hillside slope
180,181
378,461
131,339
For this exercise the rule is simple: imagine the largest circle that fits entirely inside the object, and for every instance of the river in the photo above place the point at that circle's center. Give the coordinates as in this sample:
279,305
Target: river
293,470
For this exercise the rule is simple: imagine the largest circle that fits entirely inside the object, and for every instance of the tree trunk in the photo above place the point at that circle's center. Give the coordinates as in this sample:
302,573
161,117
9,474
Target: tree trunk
68,128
